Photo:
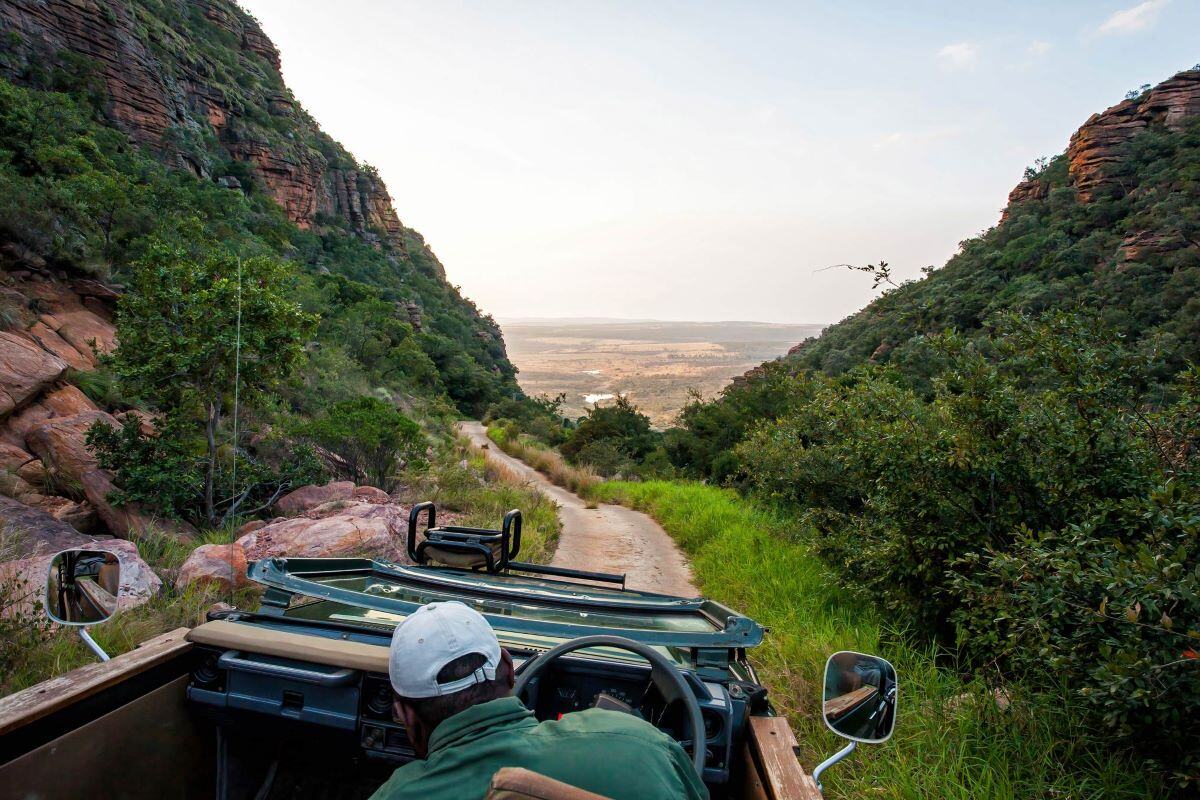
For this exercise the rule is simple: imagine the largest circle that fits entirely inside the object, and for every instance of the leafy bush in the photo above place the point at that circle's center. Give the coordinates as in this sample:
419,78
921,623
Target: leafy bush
611,433
167,471
372,439
1001,511
540,417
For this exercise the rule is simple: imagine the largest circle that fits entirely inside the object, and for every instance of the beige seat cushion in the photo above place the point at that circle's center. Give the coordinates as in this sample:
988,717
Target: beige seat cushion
515,783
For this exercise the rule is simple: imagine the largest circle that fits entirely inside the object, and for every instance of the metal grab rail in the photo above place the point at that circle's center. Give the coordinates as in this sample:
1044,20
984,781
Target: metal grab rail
232,660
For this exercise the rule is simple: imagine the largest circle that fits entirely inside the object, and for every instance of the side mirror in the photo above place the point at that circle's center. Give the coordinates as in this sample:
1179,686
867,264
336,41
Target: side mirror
859,702
860,697
82,588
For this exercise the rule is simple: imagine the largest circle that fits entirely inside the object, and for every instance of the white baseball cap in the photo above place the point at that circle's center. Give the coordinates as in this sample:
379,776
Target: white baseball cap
433,636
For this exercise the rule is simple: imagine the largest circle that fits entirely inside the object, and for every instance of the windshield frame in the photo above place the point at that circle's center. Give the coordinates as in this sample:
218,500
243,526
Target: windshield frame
289,577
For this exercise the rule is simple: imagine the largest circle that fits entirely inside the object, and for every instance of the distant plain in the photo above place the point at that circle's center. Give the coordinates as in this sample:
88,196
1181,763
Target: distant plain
655,363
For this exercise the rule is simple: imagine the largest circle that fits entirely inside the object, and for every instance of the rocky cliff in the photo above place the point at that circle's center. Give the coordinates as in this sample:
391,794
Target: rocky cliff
1111,227
199,82
126,123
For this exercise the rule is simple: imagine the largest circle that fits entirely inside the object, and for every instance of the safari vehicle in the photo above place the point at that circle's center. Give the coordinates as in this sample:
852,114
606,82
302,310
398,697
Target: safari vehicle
293,699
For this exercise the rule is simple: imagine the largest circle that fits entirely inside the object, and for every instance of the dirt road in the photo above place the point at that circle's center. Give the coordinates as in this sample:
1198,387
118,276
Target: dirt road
604,539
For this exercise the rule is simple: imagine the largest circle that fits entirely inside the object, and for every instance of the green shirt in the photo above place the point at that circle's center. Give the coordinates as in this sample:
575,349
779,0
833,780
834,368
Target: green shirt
607,752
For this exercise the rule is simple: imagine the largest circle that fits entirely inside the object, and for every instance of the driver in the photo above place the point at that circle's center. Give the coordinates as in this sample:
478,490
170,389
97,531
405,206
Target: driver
453,693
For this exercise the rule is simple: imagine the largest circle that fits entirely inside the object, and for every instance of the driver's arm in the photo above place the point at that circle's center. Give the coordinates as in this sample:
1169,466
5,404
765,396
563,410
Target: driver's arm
693,787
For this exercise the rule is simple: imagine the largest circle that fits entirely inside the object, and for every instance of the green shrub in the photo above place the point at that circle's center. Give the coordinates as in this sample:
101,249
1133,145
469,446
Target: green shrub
372,439
166,471
617,428
999,512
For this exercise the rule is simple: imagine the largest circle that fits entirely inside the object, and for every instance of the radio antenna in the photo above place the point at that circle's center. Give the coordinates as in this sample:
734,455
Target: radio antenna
237,374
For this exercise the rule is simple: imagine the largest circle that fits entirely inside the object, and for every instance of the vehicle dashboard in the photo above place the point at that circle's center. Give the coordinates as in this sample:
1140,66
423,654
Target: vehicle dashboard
238,688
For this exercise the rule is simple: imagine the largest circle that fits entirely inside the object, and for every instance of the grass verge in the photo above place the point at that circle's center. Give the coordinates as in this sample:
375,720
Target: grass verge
546,461
952,740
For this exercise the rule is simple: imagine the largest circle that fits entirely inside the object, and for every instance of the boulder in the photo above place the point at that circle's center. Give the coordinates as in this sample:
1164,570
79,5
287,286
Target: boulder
306,497
86,332
80,515
370,494
222,565
33,472
252,525
355,528
13,458
25,371
61,442
51,341
62,402
13,485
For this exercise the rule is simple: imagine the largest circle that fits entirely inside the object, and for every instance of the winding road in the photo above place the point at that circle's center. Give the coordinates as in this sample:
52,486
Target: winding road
608,538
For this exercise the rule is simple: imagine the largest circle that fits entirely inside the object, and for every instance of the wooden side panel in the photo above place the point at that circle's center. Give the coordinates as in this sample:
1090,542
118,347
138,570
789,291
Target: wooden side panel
753,787
49,696
145,750
772,748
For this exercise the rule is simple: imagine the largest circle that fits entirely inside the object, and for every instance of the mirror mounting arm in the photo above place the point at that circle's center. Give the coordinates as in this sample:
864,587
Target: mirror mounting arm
829,762
91,643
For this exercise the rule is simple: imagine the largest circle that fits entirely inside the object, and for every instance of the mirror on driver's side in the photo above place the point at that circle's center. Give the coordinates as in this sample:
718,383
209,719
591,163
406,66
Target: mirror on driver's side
82,587
860,696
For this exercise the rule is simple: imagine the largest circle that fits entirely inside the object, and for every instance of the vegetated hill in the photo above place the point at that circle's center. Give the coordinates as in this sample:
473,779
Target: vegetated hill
218,139
1110,227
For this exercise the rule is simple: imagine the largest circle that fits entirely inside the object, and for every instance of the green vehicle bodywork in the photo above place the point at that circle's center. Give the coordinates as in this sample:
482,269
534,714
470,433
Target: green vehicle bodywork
527,613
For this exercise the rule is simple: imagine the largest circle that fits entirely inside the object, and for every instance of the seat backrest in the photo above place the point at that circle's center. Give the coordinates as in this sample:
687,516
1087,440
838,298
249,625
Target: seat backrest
515,783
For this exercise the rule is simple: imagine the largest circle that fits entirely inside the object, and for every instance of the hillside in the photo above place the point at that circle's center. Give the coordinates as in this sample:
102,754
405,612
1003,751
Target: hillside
1111,227
196,89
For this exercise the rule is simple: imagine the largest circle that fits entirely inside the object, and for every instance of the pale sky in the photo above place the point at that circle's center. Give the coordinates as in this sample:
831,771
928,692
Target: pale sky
704,160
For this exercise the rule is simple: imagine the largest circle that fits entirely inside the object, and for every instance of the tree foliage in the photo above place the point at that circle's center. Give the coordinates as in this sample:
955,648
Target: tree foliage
1035,510
371,438
197,332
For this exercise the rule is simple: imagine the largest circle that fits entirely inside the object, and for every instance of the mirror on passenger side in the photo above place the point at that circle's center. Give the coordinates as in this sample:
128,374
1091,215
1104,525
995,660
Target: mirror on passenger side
82,587
860,696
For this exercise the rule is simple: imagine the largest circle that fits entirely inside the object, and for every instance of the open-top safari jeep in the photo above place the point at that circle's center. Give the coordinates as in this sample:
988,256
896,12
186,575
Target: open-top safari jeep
293,700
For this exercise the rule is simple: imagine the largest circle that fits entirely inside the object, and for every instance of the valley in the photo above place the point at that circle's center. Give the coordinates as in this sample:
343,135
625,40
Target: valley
655,363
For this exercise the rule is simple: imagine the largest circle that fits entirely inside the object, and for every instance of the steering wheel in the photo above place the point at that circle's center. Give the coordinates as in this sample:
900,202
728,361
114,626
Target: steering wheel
665,676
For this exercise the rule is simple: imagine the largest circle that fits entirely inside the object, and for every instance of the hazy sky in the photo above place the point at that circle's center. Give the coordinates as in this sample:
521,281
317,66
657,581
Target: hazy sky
703,160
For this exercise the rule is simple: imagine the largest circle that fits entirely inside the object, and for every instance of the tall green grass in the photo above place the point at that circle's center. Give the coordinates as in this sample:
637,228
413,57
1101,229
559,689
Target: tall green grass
952,739
550,463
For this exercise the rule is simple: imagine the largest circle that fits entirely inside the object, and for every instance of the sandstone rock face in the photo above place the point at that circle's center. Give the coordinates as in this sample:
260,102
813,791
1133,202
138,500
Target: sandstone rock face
25,370
1026,190
1140,245
311,496
148,98
1095,147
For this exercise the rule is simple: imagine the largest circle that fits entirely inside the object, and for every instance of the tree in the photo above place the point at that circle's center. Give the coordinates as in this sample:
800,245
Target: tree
370,436
620,424
178,329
